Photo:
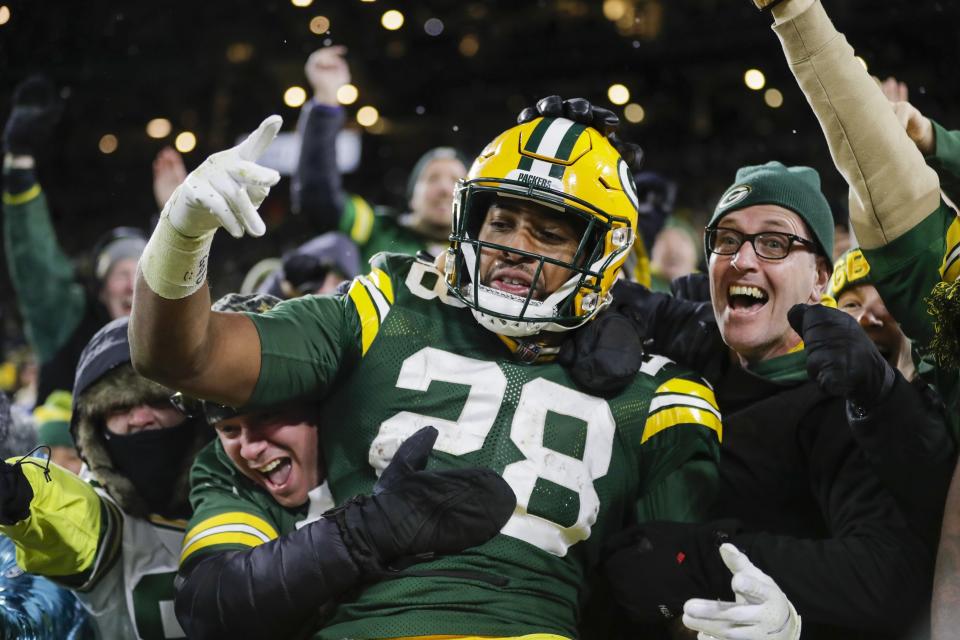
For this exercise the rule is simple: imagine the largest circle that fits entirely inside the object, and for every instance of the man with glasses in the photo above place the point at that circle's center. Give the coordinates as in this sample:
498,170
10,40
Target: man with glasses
806,506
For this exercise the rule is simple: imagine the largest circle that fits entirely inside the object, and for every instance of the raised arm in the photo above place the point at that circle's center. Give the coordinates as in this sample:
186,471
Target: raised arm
891,187
50,298
174,337
316,190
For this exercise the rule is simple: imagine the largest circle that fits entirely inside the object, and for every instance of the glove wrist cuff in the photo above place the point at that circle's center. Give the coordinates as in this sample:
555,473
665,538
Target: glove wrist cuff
793,622
174,265
363,556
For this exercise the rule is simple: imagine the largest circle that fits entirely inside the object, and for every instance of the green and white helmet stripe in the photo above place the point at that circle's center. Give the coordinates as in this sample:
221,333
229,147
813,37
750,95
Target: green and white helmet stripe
551,138
626,181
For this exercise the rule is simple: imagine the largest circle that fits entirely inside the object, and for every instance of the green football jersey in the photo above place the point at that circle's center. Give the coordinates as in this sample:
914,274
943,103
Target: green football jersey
396,354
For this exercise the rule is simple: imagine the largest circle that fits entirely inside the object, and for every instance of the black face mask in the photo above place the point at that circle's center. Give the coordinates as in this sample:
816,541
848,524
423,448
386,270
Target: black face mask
153,461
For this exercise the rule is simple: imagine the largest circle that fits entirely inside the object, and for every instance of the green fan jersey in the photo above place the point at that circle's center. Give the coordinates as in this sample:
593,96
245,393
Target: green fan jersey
905,272
376,230
395,354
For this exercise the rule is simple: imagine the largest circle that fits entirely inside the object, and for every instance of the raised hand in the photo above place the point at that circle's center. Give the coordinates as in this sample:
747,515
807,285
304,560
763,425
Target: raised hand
226,189
36,109
580,110
918,127
327,71
840,356
168,174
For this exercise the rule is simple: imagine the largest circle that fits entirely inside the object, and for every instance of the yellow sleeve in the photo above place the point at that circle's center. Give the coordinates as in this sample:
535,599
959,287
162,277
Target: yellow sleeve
60,536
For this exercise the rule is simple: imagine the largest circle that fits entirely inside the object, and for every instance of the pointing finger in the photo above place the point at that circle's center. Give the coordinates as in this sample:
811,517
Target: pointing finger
258,141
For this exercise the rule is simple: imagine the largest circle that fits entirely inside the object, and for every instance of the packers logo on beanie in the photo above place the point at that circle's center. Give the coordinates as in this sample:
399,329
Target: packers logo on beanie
793,188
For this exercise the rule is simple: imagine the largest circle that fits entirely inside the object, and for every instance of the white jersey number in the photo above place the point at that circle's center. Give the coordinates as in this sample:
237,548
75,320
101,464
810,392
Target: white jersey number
488,385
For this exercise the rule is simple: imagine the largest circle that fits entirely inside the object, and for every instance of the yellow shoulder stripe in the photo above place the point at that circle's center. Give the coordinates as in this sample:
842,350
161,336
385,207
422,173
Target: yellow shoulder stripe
21,198
362,220
950,269
372,295
380,278
369,321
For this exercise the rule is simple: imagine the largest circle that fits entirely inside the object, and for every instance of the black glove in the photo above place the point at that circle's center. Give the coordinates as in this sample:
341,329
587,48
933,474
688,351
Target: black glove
15,494
414,514
580,110
36,109
604,355
694,286
840,356
653,568
656,197
305,272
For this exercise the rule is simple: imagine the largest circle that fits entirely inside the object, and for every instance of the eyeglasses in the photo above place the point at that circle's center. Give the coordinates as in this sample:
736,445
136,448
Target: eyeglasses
771,245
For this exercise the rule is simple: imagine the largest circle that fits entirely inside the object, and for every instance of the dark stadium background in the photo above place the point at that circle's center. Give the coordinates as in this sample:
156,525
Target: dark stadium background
122,64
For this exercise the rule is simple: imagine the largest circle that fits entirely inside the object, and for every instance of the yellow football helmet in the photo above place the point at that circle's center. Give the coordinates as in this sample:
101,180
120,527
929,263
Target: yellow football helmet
569,168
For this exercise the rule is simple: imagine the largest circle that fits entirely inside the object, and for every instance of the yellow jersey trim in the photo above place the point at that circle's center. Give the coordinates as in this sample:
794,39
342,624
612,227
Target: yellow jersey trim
689,387
233,527
666,418
245,539
369,321
21,198
681,401
380,278
950,269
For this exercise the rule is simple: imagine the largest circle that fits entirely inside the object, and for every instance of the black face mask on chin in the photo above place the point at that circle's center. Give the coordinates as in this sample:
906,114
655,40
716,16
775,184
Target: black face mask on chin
152,460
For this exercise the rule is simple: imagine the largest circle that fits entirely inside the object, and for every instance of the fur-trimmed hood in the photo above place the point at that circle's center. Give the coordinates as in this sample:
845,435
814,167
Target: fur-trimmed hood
105,381
120,388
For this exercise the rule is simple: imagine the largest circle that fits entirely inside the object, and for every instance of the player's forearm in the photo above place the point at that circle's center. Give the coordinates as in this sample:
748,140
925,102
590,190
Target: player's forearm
892,189
946,580
169,338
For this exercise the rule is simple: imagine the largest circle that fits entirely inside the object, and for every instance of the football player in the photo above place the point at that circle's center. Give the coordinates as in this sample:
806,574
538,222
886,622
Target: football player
542,224
259,562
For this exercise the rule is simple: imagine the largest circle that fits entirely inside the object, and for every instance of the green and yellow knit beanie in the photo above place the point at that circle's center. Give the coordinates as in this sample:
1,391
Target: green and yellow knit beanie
793,188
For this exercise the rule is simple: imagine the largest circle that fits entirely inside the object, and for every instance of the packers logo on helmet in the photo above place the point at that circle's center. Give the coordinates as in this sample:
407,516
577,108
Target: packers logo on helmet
570,169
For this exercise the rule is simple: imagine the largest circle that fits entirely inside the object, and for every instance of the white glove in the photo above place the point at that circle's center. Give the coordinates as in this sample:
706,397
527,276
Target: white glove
761,612
226,189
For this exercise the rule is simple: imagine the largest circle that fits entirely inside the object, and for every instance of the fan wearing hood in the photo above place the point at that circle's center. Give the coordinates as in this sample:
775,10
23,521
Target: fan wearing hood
113,535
